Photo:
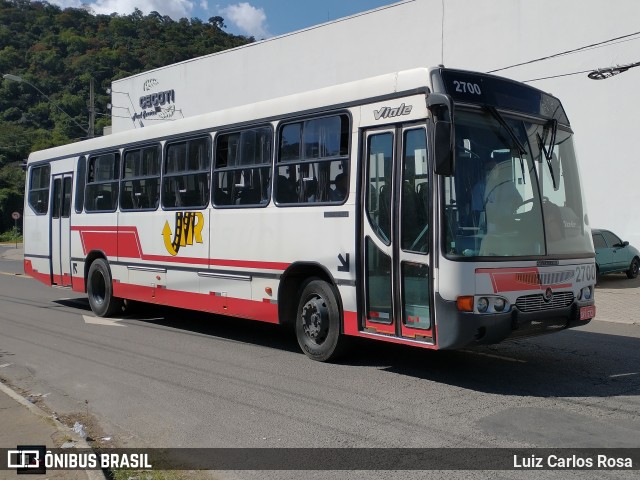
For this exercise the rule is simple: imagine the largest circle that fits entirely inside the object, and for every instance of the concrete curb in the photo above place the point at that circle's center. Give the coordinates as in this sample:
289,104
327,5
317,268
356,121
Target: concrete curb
34,409
620,322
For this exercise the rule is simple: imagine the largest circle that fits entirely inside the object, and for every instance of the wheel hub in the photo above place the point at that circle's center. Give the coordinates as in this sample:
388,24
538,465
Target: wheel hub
315,319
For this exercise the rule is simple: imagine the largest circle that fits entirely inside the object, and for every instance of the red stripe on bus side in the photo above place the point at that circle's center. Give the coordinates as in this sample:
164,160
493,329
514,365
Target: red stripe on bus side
249,264
234,307
77,284
129,244
104,241
169,259
102,228
41,277
125,242
351,323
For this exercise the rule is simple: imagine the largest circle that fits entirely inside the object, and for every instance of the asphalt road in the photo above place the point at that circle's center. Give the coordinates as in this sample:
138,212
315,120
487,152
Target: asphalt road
173,378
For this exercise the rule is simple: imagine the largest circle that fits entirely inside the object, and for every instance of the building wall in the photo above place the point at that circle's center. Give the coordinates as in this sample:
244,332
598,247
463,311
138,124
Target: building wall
373,43
481,35
603,113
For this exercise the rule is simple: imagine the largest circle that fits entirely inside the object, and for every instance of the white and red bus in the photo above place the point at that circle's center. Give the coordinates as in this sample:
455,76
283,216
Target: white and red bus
436,208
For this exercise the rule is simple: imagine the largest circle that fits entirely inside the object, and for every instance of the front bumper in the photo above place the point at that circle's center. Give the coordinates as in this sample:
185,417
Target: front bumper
457,329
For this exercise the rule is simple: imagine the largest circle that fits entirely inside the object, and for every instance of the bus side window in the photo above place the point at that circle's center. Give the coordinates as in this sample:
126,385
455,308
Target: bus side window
101,190
140,179
39,181
187,173
414,203
313,161
81,178
242,172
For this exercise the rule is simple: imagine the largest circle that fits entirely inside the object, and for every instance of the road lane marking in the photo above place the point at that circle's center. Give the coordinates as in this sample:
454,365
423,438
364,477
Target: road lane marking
102,321
623,375
6,365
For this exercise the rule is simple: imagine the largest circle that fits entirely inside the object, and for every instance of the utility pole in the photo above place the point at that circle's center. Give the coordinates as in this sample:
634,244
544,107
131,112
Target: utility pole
92,111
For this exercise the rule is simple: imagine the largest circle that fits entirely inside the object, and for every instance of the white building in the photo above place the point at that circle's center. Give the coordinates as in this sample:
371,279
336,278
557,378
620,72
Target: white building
482,35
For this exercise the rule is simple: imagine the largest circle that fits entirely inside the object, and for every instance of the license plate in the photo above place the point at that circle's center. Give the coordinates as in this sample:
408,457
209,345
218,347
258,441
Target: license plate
587,312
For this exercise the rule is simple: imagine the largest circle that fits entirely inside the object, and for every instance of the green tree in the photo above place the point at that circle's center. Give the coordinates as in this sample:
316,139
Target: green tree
59,51
11,194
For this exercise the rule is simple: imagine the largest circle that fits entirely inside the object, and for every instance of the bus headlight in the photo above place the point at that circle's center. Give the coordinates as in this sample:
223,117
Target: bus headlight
482,305
585,293
499,304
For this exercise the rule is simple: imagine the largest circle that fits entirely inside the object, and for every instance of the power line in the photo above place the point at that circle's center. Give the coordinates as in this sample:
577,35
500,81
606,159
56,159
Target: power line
567,52
557,76
111,115
594,73
15,147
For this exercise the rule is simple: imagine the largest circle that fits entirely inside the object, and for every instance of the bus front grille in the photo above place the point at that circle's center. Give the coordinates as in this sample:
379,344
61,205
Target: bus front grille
536,303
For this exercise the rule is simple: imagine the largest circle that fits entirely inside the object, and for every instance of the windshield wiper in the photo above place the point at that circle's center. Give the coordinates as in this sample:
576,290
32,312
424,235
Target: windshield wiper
505,125
516,141
548,154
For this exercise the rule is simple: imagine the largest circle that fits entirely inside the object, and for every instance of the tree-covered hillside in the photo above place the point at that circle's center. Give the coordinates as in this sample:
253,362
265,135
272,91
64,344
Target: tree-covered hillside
58,52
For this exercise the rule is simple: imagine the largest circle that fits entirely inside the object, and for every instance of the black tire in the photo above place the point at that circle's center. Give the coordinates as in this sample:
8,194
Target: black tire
131,306
318,321
100,290
633,269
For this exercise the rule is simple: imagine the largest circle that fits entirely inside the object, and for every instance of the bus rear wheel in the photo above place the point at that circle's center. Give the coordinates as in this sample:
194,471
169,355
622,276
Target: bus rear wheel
318,321
100,290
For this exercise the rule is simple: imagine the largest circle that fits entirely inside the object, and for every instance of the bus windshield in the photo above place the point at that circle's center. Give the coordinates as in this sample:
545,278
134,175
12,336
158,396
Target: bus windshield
515,191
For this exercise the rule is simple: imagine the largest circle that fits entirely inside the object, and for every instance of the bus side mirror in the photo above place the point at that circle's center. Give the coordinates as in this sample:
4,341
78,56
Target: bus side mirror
443,148
441,108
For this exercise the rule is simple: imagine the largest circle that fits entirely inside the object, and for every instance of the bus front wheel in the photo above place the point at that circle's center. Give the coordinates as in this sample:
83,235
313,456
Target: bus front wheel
100,290
318,321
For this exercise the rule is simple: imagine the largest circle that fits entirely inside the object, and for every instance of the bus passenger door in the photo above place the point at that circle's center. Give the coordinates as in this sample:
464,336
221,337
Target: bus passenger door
396,235
61,229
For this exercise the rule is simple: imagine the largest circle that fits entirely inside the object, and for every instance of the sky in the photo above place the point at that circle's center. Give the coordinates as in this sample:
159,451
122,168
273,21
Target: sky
257,18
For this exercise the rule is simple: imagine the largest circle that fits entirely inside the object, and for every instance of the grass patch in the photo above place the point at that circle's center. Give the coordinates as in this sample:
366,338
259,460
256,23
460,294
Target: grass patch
12,235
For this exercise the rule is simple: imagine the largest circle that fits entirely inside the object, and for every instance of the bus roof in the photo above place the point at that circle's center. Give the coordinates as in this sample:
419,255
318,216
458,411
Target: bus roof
375,88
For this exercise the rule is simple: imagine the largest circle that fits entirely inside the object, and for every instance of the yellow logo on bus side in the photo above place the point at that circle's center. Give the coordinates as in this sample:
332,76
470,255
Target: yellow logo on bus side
188,228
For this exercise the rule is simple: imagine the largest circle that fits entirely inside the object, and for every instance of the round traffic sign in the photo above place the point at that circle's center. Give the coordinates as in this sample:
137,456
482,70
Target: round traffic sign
15,215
